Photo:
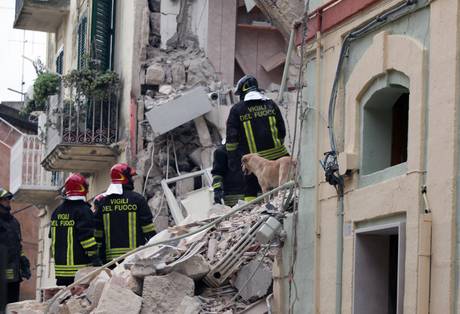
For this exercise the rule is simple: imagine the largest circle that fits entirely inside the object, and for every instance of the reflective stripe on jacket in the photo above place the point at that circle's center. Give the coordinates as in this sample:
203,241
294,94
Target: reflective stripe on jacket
72,237
124,222
256,126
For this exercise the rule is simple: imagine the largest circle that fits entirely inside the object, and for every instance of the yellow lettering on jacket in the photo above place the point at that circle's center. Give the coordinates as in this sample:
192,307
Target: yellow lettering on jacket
121,207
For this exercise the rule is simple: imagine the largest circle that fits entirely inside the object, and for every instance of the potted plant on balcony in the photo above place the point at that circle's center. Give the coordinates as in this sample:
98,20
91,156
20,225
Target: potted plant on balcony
46,84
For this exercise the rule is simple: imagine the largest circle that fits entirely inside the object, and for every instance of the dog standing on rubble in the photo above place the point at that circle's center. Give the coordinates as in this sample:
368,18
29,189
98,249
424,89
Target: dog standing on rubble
269,173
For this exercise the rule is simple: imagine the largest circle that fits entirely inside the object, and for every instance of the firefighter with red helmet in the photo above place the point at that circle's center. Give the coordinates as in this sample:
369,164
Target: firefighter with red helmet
73,243
124,220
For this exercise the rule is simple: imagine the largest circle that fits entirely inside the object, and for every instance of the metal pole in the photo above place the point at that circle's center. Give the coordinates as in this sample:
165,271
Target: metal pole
286,66
339,265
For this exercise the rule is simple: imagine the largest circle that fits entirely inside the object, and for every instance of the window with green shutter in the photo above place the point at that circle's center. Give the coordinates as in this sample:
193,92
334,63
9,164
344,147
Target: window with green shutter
60,62
82,33
102,31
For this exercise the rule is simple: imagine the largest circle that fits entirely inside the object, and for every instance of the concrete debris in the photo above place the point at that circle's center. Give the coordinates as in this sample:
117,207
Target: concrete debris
155,74
143,268
126,279
253,281
165,89
164,294
96,287
189,305
196,267
162,279
116,299
26,307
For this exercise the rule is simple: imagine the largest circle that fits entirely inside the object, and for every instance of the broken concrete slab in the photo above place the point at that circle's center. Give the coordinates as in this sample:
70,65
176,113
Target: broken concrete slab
189,306
155,74
196,267
118,300
164,294
187,107
26,307
258,285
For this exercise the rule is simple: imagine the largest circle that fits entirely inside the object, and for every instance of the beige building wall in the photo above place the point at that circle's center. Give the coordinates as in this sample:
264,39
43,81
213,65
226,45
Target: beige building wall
431,64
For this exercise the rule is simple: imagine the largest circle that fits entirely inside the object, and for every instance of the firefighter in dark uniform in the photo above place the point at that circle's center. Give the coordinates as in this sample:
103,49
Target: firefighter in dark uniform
227,185
73,244
17,264
124,220
254,125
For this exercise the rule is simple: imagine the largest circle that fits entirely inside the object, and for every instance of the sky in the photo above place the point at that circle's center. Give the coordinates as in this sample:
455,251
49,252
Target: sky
11,52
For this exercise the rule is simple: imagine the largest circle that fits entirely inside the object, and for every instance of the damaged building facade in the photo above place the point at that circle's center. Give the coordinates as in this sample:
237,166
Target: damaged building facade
175,59
383,238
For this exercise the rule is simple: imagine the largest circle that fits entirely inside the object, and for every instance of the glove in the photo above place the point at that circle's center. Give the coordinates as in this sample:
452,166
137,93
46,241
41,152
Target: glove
96,260
218,196
24,267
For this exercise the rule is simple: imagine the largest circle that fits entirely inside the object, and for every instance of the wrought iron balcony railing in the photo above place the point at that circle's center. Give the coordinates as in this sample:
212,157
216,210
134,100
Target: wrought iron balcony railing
80,132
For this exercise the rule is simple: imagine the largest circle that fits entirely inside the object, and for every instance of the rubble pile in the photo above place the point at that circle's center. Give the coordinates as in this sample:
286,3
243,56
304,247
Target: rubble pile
177,277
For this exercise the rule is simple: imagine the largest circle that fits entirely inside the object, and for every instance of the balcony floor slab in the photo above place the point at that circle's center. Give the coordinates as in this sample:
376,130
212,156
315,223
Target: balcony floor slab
37,195
77,157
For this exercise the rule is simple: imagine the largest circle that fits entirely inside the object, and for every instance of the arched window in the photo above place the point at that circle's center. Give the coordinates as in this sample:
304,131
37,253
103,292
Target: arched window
384,128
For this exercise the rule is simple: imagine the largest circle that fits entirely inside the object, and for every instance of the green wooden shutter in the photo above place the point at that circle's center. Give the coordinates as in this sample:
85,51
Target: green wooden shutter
102,32
82,32
60,62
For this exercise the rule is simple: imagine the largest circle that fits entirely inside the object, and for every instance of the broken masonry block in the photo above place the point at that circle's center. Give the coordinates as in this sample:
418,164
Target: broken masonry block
256,287
195,267
118,300
164,294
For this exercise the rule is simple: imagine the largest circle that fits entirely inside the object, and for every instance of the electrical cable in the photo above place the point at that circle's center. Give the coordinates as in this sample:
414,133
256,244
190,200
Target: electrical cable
174,239
150,168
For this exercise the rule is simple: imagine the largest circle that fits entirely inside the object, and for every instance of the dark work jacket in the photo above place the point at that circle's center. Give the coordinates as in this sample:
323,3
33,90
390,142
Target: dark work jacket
256,126
231,182
124,222
10,235
73,242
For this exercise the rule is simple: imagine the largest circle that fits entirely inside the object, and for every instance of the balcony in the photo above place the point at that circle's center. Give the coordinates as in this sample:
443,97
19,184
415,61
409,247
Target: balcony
80,134
40,15
29,182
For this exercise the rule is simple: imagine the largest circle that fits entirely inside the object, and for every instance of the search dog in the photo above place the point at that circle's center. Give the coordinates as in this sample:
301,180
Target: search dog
269,173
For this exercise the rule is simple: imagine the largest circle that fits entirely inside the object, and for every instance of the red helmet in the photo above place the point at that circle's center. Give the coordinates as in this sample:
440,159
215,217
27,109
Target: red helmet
122,173
76,185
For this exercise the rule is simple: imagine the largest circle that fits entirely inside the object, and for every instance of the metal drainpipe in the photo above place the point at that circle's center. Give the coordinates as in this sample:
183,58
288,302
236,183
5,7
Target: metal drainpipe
339,266
317,177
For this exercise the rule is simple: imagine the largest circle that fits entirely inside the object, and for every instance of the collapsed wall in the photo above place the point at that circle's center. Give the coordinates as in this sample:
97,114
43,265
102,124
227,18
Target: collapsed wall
167,74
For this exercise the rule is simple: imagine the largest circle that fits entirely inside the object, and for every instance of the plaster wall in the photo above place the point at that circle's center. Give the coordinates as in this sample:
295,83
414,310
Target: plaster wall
197,19
414,46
